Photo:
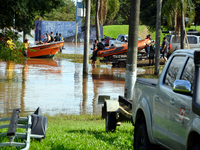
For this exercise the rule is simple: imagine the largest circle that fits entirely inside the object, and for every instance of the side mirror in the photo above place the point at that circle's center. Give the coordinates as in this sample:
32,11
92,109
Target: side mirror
182,87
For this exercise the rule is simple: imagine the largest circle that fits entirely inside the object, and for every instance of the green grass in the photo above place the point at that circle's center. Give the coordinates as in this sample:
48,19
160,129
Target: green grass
114,30
85,132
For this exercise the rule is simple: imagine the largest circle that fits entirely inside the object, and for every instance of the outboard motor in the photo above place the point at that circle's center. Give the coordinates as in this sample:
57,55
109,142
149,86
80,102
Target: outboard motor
39,123
196,92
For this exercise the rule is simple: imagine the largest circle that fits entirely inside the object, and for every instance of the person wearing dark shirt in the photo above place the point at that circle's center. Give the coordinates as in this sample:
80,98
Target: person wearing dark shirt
165,46
57,38
99,46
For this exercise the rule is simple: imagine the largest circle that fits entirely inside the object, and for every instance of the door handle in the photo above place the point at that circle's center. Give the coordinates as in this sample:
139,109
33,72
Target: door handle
172,102
157,97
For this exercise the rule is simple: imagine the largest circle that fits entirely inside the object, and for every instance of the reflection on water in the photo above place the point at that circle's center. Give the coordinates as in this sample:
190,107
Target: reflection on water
57,86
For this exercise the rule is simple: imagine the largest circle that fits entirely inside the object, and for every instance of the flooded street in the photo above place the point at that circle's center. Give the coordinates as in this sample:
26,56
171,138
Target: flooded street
57,85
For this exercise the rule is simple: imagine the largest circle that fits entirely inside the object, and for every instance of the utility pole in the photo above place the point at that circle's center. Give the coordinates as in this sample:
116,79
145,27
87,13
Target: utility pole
87,36
97,21
182,27
76,27
158,28
131,66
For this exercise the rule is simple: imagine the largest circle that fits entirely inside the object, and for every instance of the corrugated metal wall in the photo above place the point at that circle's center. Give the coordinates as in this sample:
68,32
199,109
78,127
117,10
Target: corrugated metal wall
67,29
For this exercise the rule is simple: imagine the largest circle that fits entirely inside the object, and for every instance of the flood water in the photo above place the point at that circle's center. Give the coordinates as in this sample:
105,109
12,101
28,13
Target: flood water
57,85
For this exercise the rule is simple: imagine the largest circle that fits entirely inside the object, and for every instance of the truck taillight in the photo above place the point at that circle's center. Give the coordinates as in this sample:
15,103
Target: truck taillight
170,46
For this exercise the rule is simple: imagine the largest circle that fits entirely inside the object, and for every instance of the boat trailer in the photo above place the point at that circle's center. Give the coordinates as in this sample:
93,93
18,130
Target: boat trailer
35,125
115,111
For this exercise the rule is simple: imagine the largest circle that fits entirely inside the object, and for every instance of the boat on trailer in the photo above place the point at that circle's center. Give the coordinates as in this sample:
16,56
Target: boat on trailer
47,50
108,51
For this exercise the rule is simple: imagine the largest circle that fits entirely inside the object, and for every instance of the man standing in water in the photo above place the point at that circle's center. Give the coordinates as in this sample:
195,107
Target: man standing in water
99,46
165,46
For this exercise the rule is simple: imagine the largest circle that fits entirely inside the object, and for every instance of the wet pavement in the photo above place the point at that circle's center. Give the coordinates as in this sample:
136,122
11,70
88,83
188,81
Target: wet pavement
57,85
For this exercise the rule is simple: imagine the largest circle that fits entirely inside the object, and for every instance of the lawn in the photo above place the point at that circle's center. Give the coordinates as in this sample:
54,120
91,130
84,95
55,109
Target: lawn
114,30
84,132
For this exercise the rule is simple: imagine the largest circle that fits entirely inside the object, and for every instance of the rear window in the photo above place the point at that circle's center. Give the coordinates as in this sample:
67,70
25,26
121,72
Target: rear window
176,39
168,37
192,40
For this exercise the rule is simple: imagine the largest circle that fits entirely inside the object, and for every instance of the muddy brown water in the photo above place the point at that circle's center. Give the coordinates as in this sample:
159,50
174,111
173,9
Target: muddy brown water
57,85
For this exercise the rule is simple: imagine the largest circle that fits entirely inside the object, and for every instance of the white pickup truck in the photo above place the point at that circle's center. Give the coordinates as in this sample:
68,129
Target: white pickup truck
121,39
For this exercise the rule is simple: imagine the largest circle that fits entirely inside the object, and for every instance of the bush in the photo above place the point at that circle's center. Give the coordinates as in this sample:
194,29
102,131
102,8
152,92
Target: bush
15,55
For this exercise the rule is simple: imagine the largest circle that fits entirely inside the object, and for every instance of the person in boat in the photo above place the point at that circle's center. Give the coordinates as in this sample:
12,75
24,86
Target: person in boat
56,38
61,39
165,47
39,43
52,36
10,44
26,46
97,46
48,38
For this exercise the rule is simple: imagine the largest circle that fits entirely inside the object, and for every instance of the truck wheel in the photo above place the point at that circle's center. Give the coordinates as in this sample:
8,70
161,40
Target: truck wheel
196,147
110,58
122,64
141,139
111,122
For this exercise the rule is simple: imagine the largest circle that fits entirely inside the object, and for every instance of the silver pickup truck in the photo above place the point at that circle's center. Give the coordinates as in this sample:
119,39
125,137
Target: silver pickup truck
166,111
193,42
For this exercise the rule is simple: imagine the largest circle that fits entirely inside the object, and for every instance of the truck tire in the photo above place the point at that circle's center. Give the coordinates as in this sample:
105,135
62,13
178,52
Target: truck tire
111,122
196,147
141,139
122,64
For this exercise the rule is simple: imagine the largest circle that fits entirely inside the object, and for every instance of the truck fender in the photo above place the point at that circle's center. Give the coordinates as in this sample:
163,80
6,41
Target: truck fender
193,127
144,106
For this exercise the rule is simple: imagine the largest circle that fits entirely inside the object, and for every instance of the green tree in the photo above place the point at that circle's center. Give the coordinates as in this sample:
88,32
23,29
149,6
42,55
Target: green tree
65,13
171,13
24,12
197,12
123,14
147,13
107,6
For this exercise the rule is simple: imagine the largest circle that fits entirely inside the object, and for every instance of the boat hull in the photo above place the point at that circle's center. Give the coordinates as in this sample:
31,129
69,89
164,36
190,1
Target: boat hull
45,50
122,49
